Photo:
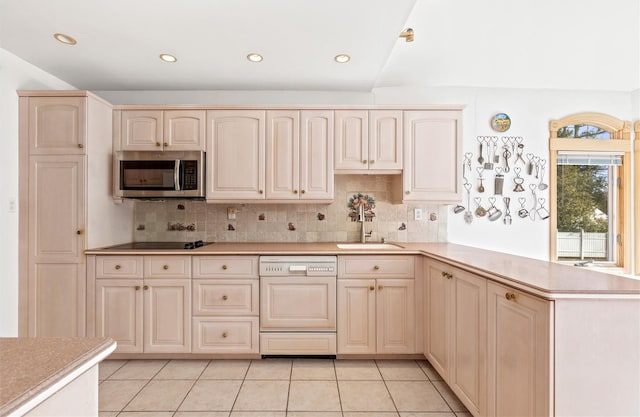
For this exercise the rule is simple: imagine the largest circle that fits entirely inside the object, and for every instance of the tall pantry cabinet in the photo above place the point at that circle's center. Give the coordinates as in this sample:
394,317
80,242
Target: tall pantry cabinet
65,149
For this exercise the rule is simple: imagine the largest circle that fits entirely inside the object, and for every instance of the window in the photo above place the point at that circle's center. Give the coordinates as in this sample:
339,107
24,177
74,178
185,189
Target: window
590,204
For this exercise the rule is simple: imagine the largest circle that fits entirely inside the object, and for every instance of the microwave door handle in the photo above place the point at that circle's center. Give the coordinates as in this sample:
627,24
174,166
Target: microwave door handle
176,175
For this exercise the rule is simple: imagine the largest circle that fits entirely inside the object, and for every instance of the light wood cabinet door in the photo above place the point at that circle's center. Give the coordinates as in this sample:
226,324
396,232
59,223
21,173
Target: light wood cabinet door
283,155
57,204
518,353
184,130
385,140
316,155
356,316
167,315
224,297
225,267
231,335
438,320
57,125
432,149
141,130
395,316
351,140
236,155
119,312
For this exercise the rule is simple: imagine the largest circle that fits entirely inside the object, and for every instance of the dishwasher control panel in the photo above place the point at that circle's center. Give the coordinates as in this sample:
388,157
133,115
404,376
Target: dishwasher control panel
285,266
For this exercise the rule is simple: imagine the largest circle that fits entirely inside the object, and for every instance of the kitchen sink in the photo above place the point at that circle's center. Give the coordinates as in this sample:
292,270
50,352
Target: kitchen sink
372,246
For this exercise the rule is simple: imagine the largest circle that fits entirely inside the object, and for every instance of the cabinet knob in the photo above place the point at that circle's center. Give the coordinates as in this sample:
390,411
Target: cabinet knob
510,296
225,298
79,232
260,192
137,287
371,161
146,287
224,267
444,274
165,144
295,191
380,287
371,288
225,335
157,143
407,192
364,161
165,267
302,191
376,267
80,145
118,267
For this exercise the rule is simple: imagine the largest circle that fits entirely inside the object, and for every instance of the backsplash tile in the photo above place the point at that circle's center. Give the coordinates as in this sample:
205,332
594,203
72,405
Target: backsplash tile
211,223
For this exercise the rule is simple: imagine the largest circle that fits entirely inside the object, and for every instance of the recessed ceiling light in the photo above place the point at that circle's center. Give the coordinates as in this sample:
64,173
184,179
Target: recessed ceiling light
253,57
342,58
61,37
168,58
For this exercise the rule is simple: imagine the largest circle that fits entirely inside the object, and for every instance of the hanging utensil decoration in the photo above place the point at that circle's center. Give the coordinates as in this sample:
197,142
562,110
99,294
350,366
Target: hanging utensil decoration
529,164
536,166
480,211
534,209
507,213
518,180
488,164
480,157
543,213
480,170
523,213
542,185
468,215
494,146
519,150
493,212
498,182
466,166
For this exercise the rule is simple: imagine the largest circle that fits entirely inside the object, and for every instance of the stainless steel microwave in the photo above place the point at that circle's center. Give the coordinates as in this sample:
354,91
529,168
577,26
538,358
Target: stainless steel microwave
159,174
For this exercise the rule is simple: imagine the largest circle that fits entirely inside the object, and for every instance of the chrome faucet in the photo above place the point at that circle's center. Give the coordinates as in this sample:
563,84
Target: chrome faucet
363,235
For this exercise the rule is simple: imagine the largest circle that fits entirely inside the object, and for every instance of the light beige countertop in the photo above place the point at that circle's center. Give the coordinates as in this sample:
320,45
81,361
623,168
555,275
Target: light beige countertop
546,279
30,366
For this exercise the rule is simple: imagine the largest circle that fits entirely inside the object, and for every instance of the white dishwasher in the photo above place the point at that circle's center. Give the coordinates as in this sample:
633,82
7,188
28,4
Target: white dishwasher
298,305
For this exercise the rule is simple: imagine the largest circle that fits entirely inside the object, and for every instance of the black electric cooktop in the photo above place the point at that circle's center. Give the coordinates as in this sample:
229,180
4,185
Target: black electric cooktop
160,245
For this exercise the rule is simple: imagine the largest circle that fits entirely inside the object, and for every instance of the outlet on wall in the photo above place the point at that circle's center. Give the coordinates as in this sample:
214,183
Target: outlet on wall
417,214
12,205
231,213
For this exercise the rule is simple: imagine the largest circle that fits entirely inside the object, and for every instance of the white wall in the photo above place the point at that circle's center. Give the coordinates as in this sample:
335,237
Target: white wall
530,112
15,74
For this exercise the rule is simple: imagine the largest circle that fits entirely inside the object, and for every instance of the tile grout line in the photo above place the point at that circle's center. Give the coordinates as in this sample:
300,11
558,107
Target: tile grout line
191,388
141,388
436,388
384,381
335,373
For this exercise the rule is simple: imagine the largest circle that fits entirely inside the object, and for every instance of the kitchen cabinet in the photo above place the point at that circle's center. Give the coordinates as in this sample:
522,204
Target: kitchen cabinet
299,149
376,305
455,336
225,305
518,356
432,149
65,206
235,155
368,141
154,130
144,303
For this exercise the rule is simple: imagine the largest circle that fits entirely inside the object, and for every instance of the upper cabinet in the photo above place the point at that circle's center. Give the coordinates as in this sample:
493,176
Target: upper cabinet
57,126
316,155
368,141
432,149
154,130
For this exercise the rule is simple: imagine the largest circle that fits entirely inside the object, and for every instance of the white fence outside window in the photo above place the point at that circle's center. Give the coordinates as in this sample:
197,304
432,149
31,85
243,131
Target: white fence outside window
581,245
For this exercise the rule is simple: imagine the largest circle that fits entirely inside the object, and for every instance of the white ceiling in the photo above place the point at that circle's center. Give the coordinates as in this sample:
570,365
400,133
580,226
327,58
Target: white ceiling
559,44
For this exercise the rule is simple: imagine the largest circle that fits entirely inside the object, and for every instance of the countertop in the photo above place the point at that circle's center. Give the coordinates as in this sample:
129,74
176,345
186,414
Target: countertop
546,279
32,366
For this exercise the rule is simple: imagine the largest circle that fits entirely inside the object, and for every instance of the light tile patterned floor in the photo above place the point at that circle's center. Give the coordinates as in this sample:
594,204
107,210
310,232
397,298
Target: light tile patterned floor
274,388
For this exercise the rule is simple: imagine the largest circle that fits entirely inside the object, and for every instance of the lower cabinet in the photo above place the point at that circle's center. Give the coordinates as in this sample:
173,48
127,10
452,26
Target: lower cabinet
376,316
232,335
519,346
455,341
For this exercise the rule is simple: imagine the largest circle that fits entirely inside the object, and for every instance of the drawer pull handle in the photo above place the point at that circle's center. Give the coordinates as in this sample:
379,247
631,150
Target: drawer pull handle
371,161
447,275
137,287
118,267
380,287
371,288
165,267
225,267
79,232
225,335
146,287
376,267
225,298
295,191
302,191
510,296
157,143
260,192
165,144
364,161
80,145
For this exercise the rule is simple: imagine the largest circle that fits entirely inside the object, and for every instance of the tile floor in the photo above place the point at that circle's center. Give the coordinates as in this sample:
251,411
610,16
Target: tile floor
274,388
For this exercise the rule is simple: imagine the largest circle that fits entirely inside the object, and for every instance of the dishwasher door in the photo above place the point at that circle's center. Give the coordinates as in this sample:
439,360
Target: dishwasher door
305,304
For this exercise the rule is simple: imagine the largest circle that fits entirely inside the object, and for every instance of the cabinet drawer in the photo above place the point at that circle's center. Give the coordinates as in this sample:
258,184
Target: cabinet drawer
167,267
298,344
384,266
225,267
119,266
225,335
237,297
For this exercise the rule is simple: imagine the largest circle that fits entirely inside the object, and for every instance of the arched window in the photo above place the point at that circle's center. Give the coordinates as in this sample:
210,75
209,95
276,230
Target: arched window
590,174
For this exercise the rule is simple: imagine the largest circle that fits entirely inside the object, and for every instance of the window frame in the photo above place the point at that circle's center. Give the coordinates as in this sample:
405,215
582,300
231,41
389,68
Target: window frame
620,131
636,144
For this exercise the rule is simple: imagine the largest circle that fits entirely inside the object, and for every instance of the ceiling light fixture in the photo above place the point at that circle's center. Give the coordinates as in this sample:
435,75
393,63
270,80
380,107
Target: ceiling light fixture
342,58
253,57
407,35
66,39
168,58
